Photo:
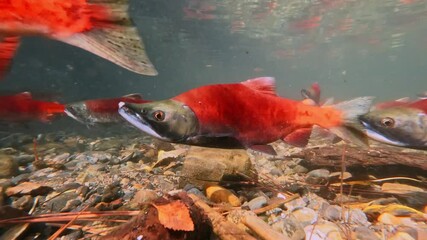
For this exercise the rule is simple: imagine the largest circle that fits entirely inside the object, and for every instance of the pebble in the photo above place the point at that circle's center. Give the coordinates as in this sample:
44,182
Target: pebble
333,213
55,201
71,205
24,159
257,202
202,166
291,227
323,231
111,192
24,203
24,177
8,166
306,216
300,169
318,176
141,197
93,157
364,233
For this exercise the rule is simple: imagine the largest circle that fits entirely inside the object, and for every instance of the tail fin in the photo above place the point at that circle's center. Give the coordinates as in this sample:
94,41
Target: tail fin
119,43
352,130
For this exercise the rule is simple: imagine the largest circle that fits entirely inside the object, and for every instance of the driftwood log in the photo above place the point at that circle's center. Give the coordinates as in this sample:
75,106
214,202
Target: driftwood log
329,156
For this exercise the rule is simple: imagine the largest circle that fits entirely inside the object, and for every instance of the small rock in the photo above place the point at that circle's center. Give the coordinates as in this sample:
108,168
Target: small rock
111,144
306,216
364,233
318,176
8,166
337,175
24,203
57,201
71,205
219,194
75,235
333,213
291,227
28,188
20,178
58,161
257,202
300,169
82,191
402,236
24,159
295,204
94,156
356,216
111,192
202,166
141,197
325,231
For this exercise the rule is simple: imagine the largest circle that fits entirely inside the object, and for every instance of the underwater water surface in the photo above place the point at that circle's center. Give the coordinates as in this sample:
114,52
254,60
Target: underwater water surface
351,48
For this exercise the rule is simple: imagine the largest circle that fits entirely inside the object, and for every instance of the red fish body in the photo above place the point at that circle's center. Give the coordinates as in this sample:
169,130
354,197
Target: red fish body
246,111
249,112
100,27
21,108
100,110
50,18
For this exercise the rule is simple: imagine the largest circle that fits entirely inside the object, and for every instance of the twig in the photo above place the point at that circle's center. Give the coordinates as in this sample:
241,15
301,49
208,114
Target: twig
60,230
221,227
277,204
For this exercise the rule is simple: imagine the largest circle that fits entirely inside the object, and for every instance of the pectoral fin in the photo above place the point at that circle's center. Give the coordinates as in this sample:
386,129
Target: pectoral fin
264,149
115,39
299,137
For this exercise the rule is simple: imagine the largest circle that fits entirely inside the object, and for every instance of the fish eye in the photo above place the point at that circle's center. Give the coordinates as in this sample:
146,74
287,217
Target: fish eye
387,122
159,115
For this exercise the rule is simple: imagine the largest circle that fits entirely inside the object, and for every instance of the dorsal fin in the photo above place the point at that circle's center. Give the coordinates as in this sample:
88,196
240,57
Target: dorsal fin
133,95
266,85
421,104
25,95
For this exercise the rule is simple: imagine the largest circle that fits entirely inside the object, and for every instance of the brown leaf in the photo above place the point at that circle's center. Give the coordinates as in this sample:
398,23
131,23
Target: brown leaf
28,188
175,215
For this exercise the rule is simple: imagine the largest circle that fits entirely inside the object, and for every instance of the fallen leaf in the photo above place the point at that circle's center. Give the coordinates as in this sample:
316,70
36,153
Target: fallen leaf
175,215
28,188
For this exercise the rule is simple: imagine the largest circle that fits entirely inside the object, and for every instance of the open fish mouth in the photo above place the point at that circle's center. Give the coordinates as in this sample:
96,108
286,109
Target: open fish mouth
130,114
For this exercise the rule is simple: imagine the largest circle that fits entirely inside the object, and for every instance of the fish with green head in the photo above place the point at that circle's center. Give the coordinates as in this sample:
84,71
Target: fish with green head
240,115
404,125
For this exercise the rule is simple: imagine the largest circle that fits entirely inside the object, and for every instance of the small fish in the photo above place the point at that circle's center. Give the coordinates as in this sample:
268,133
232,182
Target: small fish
91,112
102,27
404,125
23,108
240,115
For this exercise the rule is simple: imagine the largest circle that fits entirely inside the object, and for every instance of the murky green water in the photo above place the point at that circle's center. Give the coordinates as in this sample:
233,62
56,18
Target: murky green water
352,48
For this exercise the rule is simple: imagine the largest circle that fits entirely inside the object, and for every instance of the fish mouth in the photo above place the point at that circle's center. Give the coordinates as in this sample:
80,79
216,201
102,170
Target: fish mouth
378,135
130,113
